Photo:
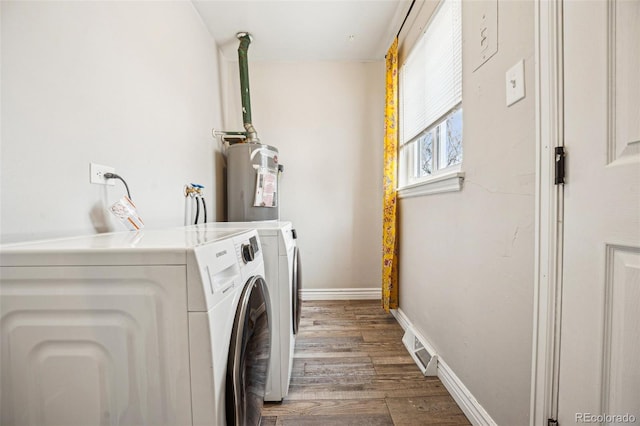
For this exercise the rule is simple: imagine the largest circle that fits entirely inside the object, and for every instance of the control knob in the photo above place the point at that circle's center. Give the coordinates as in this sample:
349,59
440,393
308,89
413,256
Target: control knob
248,254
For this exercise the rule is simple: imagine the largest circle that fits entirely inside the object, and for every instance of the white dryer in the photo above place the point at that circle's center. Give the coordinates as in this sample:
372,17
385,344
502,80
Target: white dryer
284,278
134,328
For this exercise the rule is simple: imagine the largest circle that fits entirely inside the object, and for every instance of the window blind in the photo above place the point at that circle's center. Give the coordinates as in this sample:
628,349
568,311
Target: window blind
431,77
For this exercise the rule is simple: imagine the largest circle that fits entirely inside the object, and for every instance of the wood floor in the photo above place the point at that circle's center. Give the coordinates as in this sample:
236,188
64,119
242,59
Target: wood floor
351,368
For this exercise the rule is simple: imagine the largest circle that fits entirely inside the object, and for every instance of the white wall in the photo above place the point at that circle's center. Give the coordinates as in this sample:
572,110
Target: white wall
466,258
326,119
133,85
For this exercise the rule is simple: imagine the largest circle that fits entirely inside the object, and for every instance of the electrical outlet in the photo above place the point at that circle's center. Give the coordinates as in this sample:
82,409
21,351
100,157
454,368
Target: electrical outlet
96,174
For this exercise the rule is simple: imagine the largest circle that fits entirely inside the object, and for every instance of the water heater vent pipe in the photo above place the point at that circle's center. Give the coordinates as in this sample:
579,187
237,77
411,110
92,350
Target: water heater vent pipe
245,39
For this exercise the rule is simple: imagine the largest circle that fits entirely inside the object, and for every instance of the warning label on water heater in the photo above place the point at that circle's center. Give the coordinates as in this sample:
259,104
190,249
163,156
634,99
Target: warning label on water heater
266,188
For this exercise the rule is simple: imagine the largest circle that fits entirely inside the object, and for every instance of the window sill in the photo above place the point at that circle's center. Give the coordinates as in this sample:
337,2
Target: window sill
446,182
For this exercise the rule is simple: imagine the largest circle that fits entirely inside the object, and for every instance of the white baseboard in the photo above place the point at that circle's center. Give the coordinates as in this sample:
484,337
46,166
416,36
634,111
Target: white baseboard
476,414
401,318
341,293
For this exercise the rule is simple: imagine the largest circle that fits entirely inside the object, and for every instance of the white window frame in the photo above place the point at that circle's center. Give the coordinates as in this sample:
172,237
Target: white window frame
444,179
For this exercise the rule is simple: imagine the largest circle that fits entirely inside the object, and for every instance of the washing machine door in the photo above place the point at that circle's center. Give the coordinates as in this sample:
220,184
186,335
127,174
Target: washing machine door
249,354
296,290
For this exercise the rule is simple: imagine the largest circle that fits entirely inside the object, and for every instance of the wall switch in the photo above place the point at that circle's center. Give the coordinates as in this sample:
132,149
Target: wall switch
96,174
515,83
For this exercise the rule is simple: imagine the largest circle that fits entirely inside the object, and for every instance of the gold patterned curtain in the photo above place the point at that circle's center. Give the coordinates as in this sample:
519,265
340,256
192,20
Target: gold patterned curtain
389,228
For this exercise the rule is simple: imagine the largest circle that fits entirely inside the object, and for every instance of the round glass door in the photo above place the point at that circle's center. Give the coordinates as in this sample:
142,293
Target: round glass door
249,353
296,290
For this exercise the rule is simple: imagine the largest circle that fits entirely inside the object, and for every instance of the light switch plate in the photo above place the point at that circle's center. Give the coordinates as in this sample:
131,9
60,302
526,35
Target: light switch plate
515,83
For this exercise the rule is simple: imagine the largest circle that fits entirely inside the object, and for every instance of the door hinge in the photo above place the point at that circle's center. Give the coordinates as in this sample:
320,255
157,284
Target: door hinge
552,422
560,166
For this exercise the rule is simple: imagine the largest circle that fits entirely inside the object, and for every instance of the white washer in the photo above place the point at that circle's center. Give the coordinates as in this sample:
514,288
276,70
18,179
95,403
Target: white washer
129,328
284,277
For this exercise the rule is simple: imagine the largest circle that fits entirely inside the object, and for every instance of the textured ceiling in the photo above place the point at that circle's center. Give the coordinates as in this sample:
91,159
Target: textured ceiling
305,30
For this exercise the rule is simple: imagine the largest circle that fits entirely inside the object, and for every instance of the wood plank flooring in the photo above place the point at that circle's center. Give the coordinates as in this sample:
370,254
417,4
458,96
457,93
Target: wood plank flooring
351,368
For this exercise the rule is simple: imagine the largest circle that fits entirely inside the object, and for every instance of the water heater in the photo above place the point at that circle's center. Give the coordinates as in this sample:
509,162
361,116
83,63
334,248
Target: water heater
252,182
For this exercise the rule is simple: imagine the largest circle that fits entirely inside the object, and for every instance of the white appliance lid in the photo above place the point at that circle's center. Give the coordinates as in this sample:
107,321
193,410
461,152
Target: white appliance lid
268,227
145,247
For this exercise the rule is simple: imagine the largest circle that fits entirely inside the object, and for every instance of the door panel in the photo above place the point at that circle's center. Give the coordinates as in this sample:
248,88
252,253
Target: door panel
600,342
621,369
624,81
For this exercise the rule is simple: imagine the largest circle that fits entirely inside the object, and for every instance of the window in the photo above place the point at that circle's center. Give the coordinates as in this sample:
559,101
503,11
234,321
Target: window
431,146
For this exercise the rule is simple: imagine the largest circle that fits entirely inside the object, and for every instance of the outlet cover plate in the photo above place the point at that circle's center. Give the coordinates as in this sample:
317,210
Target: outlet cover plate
96,174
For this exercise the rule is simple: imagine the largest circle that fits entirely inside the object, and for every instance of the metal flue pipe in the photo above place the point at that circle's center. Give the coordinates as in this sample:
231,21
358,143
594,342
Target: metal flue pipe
245,40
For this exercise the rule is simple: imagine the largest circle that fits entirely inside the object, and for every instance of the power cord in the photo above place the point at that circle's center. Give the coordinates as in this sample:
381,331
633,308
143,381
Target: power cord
109,175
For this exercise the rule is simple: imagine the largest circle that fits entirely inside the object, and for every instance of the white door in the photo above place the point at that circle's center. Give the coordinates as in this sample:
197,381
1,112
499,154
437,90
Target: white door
600,331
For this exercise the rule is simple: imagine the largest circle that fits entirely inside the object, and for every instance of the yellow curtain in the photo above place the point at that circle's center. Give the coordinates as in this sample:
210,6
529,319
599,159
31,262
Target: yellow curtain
389,237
